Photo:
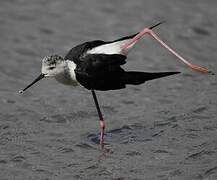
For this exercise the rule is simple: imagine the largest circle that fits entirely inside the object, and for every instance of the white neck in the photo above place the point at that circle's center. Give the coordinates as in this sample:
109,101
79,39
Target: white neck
71,65
68,77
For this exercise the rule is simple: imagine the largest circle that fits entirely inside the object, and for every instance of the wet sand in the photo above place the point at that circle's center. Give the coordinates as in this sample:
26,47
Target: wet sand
165,129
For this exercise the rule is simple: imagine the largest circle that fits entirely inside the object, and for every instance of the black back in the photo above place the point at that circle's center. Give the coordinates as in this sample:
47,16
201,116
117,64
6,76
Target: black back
78,51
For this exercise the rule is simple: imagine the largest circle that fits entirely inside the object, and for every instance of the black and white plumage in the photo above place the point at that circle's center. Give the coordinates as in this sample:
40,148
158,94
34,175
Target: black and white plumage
99,69
96,65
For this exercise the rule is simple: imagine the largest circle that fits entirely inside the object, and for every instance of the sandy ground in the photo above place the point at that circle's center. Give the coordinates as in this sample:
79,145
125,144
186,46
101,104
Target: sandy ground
162,130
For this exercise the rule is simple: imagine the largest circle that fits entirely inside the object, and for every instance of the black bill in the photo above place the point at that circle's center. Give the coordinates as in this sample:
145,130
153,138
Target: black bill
41,76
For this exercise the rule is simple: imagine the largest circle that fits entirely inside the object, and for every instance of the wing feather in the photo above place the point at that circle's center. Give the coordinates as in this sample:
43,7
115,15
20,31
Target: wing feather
100,71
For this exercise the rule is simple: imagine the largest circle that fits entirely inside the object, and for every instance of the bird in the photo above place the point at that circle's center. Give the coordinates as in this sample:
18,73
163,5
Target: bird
97,66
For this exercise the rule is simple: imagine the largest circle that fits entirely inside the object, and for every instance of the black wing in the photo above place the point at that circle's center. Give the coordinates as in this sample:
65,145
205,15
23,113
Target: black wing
103,72
100,71
124,38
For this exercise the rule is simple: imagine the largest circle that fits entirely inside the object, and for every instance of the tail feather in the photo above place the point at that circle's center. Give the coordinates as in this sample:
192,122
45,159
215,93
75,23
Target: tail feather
135,78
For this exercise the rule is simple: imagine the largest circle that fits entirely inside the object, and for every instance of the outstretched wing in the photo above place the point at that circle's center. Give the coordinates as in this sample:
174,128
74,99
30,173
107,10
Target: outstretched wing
100,71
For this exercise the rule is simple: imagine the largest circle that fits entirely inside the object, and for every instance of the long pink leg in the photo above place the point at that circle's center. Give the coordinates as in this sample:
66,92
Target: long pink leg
129,43
101,119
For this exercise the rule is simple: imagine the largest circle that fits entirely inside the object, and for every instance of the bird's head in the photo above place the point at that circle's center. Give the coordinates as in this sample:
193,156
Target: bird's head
51,66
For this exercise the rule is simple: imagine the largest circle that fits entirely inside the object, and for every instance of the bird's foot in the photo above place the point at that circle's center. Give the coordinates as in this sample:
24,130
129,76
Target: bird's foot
200,69
102,129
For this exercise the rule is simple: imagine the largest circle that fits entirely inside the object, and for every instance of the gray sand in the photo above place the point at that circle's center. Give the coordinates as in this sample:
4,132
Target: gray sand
164,129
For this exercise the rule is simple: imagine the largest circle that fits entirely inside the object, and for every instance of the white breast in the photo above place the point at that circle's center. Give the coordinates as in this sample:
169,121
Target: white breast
72,66
68,77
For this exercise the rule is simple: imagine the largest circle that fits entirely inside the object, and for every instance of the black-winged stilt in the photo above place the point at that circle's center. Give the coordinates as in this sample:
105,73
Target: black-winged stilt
96,65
